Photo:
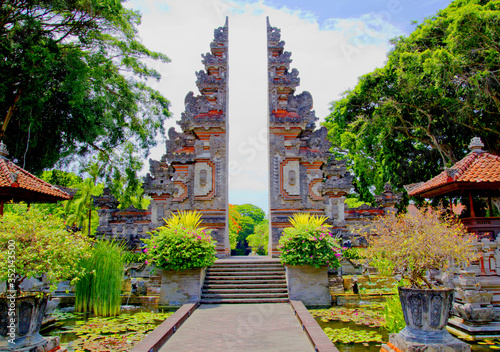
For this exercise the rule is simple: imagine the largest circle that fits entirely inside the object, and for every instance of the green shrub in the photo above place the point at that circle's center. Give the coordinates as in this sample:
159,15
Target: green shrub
308,242
132,257
352,253
180,245
99,289
33,243
315,247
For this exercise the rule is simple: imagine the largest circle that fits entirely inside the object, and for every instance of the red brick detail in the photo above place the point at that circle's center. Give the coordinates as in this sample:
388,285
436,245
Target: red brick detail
391,345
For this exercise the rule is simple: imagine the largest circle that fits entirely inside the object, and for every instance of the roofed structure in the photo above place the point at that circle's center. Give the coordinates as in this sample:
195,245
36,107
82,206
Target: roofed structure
476,175
478,171
18,185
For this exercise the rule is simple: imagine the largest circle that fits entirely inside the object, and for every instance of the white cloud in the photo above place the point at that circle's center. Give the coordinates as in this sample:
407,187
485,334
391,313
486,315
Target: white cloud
329,59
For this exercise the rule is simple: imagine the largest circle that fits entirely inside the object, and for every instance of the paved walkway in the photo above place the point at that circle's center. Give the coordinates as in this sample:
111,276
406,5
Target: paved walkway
240,328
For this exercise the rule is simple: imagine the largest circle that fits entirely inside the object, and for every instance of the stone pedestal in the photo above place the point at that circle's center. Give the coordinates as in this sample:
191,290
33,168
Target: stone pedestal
397,343
180,287
308,284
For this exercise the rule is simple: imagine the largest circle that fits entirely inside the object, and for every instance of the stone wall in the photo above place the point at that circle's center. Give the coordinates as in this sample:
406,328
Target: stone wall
309,285
182,286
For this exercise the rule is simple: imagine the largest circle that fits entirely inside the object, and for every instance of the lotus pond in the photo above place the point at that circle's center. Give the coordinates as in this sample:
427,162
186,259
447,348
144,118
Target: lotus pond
351,329
83,333
362,329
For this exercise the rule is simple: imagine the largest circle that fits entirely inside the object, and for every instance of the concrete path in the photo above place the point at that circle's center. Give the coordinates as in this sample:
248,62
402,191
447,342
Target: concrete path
240,328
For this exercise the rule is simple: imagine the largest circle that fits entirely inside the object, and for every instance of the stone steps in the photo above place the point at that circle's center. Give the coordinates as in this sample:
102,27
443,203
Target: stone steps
245,295
245,273
272,278
245,269
245,282
243,300
249,289
246,286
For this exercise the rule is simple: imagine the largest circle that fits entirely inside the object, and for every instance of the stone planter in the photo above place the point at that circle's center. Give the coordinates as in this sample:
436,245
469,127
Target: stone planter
308,284
180,287
20,322
426,313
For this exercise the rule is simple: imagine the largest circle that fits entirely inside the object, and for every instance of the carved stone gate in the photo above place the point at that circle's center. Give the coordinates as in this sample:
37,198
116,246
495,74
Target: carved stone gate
304,176
193,174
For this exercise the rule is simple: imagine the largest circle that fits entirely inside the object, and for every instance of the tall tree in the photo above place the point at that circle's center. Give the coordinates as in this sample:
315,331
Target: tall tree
234,225
73,81
440,87
253,211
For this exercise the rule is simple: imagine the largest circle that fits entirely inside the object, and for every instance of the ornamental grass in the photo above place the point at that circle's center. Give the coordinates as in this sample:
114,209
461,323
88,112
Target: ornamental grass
99,289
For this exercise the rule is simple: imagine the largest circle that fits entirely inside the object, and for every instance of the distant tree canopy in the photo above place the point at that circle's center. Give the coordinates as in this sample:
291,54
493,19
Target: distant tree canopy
72,82
244,220
253,211
440,87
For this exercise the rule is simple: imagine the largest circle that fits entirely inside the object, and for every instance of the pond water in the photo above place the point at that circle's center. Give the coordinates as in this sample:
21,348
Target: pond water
83,332
375,346
77,331
355,347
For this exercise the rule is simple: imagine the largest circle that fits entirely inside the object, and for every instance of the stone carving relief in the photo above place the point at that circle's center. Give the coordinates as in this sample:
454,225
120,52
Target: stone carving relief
436,304
196,105
203,180
415,302
301,104
291,177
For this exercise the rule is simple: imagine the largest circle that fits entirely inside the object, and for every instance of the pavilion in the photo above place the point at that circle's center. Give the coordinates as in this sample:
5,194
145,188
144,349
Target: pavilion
475,176
18,185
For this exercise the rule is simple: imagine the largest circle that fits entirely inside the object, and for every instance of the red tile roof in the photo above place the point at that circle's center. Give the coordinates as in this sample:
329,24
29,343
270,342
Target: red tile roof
18,184
478,170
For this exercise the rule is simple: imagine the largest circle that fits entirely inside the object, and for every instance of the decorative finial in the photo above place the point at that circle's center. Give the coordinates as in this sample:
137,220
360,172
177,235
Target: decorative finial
3,150
476,145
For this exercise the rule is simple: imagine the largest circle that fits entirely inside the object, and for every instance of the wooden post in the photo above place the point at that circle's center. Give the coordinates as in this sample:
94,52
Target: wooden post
1,208
472,213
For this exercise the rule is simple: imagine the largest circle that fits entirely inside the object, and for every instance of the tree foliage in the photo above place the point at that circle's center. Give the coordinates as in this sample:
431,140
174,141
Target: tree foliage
40,245
253,211
259,240
72,81
440,87
415,243
234,225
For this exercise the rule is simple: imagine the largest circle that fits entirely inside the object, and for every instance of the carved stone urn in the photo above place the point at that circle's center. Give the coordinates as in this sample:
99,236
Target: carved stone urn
426,313
20,322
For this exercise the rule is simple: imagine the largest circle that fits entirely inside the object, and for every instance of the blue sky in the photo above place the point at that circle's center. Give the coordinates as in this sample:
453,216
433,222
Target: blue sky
332,42
402,12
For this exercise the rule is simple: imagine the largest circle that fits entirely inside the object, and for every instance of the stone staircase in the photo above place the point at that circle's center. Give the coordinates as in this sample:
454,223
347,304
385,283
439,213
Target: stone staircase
240,281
